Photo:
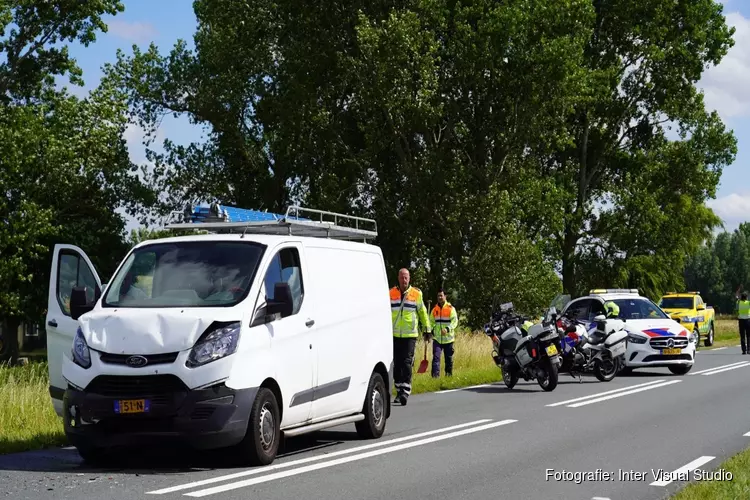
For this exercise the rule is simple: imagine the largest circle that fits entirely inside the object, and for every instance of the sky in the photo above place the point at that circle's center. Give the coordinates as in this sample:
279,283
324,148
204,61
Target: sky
163,22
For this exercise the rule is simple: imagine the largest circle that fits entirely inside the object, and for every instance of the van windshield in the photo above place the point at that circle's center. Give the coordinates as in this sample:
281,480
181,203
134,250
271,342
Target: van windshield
185,274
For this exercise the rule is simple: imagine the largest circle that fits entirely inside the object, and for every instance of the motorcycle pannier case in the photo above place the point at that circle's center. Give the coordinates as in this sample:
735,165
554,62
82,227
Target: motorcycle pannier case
523,352
616,343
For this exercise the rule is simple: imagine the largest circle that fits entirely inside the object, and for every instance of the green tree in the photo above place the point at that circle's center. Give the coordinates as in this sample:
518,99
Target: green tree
29,33
64,167
635,198
422,115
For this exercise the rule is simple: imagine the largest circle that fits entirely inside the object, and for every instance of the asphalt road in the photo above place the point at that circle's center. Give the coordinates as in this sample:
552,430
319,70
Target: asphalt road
475,443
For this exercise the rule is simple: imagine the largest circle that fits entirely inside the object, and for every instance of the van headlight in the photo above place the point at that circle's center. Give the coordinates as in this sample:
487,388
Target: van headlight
216,345
81,352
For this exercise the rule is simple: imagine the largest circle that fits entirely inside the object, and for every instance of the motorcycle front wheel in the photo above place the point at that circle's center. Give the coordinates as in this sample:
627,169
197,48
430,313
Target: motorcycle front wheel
549,382
606,368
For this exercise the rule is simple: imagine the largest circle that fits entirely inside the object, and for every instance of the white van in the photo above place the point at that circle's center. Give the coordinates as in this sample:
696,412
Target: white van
266,329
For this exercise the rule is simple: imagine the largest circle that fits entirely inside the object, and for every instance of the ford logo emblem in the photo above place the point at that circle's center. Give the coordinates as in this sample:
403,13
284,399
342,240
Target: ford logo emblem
136,361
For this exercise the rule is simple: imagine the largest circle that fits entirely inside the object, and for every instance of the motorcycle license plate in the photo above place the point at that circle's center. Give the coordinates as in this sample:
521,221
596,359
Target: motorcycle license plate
551,350
671,351
618,349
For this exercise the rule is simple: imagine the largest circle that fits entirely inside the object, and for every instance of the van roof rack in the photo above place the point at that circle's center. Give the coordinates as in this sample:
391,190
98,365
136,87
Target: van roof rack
225,219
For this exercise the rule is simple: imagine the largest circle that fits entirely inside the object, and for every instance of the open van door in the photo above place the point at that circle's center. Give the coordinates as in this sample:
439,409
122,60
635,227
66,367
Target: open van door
71,267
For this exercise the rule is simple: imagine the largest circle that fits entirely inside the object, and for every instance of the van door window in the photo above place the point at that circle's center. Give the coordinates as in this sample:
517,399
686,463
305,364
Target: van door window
285,268
73,271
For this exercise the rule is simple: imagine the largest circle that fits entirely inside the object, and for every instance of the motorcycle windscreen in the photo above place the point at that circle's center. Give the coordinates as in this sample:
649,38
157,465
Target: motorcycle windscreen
560,301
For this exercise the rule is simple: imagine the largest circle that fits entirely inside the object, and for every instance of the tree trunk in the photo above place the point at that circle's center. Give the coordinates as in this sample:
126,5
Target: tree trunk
10,336
568,261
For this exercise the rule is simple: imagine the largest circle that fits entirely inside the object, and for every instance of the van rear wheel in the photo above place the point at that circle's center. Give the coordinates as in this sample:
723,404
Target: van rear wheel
374,409
261,442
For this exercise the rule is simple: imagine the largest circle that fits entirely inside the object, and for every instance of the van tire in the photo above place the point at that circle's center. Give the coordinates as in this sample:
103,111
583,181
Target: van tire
261,442
374,409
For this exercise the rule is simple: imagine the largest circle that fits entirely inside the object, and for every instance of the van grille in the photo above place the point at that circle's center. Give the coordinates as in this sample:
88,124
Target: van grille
136,386
153,359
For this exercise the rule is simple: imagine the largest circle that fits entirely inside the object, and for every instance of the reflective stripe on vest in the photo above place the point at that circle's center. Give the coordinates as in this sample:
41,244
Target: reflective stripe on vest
444,317
744,309
405,321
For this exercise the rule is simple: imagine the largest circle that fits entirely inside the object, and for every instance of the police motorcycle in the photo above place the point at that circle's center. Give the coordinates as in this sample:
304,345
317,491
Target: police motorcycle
523,349
598,348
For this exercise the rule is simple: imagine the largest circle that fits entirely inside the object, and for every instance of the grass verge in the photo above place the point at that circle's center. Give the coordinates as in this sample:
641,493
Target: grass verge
726,333
737,488
27,417
472,365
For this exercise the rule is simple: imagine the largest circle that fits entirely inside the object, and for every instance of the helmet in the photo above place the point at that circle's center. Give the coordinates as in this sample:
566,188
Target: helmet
612,309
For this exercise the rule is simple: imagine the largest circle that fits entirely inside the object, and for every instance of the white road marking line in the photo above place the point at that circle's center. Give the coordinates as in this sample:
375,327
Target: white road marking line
718,368
727,369
462,388
747,434
717,349
626,393
605,393
599,498
260,470
682,470
339,461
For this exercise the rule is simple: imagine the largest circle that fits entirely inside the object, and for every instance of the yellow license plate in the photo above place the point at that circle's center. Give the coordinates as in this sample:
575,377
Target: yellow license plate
551,350
671,351
132,406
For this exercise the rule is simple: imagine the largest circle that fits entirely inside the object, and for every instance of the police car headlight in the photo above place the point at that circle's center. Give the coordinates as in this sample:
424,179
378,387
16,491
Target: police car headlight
216,345
81,352
636,340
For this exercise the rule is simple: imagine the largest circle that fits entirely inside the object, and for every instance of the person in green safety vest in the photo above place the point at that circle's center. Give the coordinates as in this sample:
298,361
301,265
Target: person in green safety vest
407,312
743,318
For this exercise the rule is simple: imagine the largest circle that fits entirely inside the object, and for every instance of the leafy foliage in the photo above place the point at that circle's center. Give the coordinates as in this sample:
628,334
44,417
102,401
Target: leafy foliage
29,32
643,61
414,115
64,165
721,268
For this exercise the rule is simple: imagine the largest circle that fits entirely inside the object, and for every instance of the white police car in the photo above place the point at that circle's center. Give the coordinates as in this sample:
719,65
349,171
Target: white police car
654,339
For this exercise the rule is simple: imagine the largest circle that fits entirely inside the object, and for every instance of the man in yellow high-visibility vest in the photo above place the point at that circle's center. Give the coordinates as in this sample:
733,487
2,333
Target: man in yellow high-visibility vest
743,318
407,310
444,324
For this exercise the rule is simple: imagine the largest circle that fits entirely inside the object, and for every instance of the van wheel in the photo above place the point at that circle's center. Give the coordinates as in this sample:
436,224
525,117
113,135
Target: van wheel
373,425
261,441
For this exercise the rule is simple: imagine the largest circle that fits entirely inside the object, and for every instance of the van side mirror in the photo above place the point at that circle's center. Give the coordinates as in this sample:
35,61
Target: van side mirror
600,318
701,307
78,303
282,302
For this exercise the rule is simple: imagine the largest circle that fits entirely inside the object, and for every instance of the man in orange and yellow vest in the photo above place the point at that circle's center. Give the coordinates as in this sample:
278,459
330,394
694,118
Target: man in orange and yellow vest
407,309
444,324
